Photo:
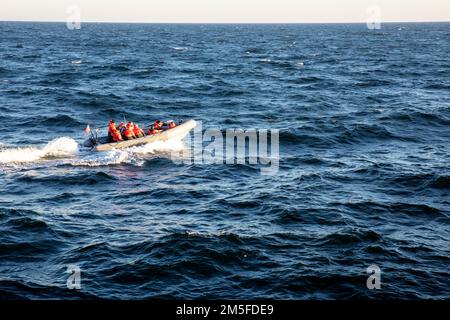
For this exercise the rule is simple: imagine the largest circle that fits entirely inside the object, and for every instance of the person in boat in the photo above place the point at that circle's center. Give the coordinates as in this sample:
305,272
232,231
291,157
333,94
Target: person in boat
116,136
168,125
121,128
158,125
111,129
128,134
165,126
138,132
151,131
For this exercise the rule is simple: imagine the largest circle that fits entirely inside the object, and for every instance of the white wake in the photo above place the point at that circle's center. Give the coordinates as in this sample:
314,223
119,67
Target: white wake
57,148
133,155
67,151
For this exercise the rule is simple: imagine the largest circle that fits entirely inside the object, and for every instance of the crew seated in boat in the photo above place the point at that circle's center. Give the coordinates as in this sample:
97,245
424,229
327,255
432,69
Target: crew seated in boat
138,132
129,132
116,136
152,131
157,127
111,129
121,128
172,124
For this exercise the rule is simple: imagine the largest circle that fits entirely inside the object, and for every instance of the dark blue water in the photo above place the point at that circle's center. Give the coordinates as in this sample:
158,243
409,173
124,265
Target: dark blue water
364,176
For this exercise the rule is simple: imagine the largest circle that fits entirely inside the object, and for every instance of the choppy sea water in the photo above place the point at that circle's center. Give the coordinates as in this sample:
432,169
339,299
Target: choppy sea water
364,174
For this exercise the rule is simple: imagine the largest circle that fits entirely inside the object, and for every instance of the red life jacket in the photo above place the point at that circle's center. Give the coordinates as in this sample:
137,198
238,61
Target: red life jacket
137,131
157,126
128,133
116,136
112,127
172,125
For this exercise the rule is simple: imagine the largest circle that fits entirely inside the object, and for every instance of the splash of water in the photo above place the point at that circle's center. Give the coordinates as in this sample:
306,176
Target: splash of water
158,147
68,150
133,155
57,148
99,159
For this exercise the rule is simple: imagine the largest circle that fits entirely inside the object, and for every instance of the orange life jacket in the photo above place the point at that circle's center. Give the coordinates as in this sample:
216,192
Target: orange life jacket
137,131
116,136
112,127
128,133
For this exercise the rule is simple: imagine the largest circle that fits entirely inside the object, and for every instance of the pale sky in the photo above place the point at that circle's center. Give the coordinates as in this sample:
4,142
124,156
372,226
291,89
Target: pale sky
225,11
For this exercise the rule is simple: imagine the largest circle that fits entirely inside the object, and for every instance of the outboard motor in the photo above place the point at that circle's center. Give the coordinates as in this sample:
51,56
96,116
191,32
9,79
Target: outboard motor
92,141
89,143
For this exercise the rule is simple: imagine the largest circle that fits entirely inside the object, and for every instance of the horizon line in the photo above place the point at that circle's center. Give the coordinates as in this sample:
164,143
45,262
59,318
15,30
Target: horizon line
230,22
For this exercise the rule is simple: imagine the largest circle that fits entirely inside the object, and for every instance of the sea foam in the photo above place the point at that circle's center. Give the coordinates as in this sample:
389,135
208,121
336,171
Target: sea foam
57,148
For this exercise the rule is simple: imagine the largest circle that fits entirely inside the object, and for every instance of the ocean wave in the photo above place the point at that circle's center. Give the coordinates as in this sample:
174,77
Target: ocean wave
384,210
144,72
112,68
304,136
81,178
118,113
361,132
373,83
254,50
440,182
292,65
437,86
4,71
8,212
349,237
308,160
290,216
28,224
417,209
180,48
421,181
177,238
416,117
307,80
22,289
17,251
52,121
57,148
